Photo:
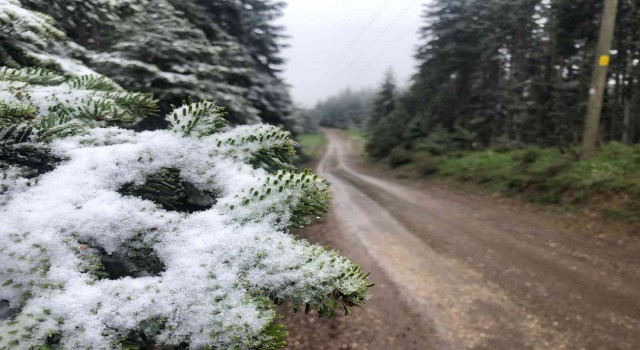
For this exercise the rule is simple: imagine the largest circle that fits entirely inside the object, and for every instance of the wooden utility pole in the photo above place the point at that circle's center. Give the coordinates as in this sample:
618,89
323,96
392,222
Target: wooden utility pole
599,79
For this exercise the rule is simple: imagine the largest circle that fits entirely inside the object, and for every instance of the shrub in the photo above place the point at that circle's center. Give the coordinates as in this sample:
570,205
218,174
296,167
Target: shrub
426,163
399,156
547,175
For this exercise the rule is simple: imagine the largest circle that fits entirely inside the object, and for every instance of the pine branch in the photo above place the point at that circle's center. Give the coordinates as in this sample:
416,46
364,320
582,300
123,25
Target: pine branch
201,119
38,76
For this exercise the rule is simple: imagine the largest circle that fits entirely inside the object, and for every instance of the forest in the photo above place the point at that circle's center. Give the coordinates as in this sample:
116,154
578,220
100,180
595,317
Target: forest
153,192
500,96
514,72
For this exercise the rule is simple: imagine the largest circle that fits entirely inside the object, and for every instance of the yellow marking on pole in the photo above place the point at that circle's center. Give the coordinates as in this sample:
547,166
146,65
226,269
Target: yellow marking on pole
604,60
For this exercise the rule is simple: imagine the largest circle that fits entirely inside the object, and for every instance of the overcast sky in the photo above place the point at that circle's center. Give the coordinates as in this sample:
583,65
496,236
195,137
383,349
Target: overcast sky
337,44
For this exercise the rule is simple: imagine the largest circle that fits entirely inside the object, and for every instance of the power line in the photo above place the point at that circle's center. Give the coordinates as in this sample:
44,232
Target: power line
371,21
376,56
381,53
326,75
382,33
358,37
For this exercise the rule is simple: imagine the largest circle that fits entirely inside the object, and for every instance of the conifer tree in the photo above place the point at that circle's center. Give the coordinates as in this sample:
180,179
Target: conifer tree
379,124
349,109
250,23
32,39
175,49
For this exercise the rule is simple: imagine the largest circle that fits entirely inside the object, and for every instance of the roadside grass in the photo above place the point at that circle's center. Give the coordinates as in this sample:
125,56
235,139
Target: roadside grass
311,145
610,181
355,135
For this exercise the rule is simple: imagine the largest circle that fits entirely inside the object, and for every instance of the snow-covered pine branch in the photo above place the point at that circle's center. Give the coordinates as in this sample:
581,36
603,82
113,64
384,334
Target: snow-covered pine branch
29,39
93,99
32,27
111,238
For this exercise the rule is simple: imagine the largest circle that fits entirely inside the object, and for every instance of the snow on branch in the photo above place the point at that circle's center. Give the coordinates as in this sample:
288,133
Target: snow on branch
111,238
29,25
90,98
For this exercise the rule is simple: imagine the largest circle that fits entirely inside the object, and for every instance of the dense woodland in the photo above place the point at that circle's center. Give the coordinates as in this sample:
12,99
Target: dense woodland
347,110
500,98
510,72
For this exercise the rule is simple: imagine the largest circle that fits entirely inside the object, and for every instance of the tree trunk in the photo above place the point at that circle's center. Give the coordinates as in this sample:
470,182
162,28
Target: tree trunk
599,80
627,132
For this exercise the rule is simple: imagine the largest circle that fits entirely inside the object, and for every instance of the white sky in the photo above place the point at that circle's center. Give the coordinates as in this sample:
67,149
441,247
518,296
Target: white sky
336,44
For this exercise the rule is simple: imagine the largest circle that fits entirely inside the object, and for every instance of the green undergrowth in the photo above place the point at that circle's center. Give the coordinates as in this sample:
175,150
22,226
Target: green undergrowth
311,146
355,135
610,181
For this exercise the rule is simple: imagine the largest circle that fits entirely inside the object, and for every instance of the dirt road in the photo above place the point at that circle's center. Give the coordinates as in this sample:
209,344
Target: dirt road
464,272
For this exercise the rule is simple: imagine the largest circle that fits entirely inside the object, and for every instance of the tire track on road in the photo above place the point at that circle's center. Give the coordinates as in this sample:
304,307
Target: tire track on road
482,286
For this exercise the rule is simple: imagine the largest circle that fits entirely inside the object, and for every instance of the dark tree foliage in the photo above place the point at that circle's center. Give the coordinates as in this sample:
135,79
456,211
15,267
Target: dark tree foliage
222,50
514,71
380,128
249,23
348,109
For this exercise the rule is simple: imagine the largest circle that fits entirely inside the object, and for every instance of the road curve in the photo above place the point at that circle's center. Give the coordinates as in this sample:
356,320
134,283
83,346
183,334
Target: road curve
485,276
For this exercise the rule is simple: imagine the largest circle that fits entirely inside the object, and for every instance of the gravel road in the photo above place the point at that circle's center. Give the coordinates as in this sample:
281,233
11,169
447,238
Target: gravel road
455,271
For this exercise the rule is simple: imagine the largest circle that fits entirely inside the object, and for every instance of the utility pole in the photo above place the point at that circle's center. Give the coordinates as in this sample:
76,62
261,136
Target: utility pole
599,80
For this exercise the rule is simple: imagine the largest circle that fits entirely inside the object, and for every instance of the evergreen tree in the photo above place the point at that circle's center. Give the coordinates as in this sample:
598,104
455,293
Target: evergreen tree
447,59
348,109
379,125
30,39
177,49
624,105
